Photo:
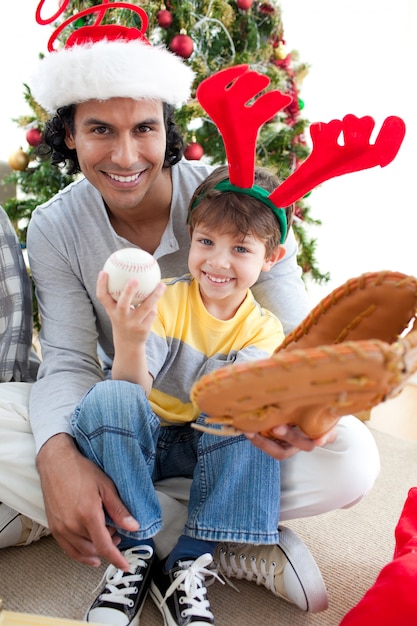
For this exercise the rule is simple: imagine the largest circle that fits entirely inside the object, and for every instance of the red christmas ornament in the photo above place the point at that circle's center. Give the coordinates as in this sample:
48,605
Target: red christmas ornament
298,211
182,45
266,8
164,18
34,137
244,5
293,109
194,151
284,64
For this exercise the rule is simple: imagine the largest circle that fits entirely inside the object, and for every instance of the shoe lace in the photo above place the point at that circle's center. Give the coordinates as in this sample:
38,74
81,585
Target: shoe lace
236,565
120,584
32,530
191,580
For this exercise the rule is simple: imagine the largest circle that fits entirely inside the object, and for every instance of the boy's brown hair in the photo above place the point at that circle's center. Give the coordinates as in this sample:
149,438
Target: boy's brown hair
234,212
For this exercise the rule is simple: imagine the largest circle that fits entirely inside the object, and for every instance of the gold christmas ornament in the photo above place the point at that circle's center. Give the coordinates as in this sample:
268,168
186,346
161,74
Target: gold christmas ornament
19,160
280,52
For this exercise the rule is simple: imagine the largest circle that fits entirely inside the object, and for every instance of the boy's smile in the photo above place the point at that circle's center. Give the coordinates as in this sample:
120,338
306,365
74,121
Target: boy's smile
225,265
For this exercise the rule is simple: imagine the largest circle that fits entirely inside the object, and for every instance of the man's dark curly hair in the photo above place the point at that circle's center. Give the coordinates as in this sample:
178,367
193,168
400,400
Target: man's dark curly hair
55,148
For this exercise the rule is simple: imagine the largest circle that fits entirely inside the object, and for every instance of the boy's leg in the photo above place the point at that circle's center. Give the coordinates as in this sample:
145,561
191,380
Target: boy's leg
235,492
115,427
227,471
312,483
336,476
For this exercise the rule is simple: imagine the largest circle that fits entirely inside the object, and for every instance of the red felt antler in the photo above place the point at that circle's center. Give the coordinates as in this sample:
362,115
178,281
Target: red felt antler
232,99
227,96
329,158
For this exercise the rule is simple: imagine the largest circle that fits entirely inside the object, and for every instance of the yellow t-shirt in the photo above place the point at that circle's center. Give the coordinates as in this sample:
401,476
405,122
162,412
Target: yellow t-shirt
186,342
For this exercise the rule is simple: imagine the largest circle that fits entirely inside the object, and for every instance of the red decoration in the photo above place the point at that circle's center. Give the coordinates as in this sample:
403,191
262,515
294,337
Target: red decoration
34,137
284,63
194,151
19,160
298,211
267,8
225,97
293,109
96,31
244,5
182,45
164,18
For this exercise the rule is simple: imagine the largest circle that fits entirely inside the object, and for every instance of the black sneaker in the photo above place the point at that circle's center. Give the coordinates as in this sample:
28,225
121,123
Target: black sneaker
181,594
121,600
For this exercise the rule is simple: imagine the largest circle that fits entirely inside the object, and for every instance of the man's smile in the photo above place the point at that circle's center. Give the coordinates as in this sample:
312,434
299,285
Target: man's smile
124,179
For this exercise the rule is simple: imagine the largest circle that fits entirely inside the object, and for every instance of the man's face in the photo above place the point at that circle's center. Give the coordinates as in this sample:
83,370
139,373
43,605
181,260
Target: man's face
120,145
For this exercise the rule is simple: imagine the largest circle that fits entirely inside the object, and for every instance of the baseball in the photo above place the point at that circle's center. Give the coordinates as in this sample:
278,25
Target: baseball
132,262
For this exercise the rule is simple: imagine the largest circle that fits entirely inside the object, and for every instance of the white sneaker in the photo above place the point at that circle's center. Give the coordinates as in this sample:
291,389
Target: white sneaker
287,569
17,529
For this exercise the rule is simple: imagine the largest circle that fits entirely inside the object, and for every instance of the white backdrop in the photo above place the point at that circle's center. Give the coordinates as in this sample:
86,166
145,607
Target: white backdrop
21,40
362,56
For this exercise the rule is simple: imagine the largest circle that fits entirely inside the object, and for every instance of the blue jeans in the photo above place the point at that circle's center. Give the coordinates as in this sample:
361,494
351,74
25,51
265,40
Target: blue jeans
235,490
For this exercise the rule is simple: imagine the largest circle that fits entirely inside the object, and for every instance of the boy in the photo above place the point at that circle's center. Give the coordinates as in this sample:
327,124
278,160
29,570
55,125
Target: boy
204,320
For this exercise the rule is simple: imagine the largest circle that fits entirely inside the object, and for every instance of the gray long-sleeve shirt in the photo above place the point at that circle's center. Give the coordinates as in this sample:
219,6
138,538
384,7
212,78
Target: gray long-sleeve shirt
69,239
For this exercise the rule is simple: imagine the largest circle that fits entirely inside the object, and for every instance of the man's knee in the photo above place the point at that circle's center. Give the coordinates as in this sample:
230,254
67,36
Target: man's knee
333,477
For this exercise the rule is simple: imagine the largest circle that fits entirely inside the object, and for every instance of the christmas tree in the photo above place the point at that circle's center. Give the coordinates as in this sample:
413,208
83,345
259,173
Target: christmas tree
210,35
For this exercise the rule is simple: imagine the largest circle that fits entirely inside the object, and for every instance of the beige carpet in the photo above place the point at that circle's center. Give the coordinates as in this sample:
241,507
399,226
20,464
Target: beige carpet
350,547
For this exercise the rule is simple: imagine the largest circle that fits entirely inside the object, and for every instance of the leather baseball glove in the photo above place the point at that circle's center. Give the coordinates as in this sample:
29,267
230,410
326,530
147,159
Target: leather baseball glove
355,349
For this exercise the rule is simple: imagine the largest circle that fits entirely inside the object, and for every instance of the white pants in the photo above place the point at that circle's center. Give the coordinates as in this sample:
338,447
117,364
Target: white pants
329,478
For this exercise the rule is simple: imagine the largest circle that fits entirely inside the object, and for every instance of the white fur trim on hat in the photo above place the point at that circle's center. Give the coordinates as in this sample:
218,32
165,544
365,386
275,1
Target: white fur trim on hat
110,69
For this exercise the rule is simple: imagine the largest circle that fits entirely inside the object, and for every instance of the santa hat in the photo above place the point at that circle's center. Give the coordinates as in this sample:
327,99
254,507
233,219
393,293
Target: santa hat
109,61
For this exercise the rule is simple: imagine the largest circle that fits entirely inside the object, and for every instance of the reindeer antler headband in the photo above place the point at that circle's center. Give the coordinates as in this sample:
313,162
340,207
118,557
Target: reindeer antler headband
105,61
232,99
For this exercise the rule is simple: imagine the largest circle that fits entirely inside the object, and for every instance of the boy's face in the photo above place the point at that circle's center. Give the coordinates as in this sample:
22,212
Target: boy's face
120,145
226,265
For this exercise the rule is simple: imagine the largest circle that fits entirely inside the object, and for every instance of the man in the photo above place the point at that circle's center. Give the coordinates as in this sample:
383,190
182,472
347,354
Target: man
111,106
